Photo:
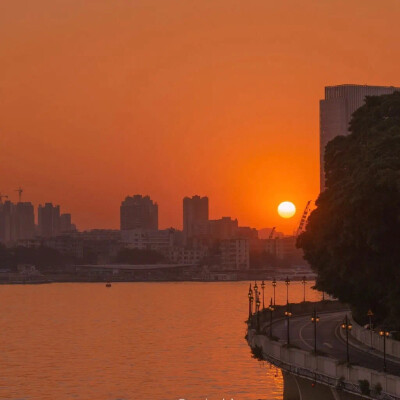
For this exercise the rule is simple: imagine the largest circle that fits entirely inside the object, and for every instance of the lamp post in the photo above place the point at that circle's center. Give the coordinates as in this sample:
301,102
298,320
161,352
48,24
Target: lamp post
263,287
370,314
258,313
271,310
315,320
303,281
287,281
255,290
288,314
274,287
347,326
250,295
384,334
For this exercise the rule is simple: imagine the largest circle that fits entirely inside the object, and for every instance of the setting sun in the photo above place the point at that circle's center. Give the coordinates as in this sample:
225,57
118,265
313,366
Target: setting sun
286,209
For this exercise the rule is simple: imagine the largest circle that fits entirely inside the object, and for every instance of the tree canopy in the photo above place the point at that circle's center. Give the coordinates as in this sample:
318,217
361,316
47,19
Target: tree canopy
352,239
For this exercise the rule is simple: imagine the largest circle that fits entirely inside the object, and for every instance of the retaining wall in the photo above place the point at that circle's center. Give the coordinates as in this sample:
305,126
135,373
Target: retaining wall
324,369
363,335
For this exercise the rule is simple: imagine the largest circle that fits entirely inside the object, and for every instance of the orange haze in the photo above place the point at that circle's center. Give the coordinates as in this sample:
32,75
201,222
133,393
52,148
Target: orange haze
100,99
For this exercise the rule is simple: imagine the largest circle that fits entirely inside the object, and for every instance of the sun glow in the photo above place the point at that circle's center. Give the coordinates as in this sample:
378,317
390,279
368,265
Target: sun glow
286,209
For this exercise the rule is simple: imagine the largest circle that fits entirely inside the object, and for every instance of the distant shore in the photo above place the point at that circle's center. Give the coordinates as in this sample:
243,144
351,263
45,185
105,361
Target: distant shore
47,279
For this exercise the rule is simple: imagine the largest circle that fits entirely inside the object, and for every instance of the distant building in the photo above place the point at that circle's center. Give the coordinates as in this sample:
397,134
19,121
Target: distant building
244,232
48,220
182,255
138,212
235,254
25,221
224,228
148,240
112,235
68,245
7,222
336,110
195,216
284,248
17,222
65,223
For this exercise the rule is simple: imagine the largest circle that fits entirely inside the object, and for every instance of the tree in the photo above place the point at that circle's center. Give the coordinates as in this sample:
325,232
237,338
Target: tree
352,239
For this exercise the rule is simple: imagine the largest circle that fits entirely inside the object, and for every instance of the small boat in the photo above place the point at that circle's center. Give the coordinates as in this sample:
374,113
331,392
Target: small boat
108,284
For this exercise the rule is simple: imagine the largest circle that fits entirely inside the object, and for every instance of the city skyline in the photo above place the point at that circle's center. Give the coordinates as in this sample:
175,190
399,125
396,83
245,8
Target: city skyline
138,217
221,102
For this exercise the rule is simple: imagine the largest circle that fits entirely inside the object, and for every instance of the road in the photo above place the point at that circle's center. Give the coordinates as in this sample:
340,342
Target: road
330,342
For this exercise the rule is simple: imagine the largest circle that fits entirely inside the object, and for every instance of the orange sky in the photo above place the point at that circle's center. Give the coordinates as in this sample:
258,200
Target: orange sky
100,99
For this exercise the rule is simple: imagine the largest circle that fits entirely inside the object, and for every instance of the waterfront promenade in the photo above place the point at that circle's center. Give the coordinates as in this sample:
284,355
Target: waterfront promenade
332,342
344,365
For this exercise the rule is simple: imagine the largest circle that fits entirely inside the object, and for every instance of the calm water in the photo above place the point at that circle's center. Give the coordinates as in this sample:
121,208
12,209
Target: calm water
146,341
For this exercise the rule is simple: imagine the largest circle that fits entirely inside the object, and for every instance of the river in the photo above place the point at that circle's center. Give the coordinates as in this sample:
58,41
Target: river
139,341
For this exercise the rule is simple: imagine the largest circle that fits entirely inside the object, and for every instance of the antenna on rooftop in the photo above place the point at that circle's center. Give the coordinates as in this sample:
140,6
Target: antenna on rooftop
19,190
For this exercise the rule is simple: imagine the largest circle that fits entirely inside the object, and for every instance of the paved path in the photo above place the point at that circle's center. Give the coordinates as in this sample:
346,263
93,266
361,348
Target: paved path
330,341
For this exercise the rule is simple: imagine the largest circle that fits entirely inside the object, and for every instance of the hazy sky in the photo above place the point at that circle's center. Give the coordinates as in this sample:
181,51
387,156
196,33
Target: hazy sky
104,98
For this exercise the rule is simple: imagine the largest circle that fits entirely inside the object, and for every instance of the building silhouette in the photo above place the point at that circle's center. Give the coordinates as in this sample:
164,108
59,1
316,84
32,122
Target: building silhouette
336,110
24,220
138,212
195,216
7,222
65,223
17,221
48,220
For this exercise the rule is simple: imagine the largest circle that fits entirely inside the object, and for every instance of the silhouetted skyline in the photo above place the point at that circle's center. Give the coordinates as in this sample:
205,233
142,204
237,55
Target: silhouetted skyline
107,98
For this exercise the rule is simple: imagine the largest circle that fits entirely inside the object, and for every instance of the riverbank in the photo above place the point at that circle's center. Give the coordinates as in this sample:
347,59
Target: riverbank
56,278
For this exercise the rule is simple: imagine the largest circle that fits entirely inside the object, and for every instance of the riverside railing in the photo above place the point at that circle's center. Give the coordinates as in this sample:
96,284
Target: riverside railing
325,370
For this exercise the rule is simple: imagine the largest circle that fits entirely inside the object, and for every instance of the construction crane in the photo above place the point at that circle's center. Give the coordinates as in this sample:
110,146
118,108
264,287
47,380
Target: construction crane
304,218
19,190
3,196
271,234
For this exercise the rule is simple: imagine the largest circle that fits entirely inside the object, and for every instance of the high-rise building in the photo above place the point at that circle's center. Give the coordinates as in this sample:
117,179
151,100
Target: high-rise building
138,212
7,222
336,110
25,221
48,220
235,254
195,216
65,223
17,222
224,228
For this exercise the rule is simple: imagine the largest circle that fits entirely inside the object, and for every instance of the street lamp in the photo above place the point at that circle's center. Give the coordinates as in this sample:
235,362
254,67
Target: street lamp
370,314
271,310
347,326
255,290
303,281
287,281
250,295
263,287
258,313
288,314
274,287
384,334
315,320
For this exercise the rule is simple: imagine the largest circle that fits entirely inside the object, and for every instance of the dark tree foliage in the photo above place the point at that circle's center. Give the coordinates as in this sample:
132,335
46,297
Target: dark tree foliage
44,258
352,239
138,256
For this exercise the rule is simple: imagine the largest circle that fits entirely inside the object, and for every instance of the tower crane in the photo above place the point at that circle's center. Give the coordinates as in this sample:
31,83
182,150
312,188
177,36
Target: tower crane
271,234
19,190
3,196
303,219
